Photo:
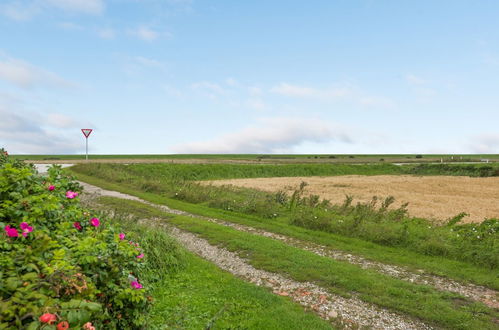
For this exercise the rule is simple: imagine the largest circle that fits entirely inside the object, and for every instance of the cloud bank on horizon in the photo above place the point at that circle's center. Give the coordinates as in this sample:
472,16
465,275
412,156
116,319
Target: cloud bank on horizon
185,76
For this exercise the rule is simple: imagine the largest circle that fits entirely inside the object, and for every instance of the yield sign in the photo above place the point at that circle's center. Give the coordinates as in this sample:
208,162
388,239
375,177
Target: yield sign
86,131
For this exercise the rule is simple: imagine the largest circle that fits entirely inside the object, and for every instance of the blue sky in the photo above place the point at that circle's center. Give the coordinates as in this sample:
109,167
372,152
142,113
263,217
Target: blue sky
180,76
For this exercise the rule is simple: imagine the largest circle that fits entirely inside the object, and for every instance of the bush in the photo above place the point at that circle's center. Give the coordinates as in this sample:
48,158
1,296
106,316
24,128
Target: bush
59,263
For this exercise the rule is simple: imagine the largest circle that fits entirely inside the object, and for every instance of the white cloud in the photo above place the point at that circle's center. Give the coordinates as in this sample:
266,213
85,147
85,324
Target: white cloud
29,133
26,75
256,103
333,94
209,88
82,6
19,11
255,91
149,62
59,120
377,101
106,33
25,10
71,26
420,87
485,144
309,92
148,34
272,135
414,80
173,91
231,82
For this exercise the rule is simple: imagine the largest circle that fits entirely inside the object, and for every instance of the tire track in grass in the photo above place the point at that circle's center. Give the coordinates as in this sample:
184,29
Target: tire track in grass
343,312
475,292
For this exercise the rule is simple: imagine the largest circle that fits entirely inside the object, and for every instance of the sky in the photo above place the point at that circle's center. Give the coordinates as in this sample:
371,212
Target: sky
273,76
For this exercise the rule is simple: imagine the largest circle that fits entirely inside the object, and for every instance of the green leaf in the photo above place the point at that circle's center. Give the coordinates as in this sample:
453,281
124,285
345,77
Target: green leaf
33,325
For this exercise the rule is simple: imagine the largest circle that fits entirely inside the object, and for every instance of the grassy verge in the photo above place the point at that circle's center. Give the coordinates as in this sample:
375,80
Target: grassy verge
436,265
202,295
437,308
191,293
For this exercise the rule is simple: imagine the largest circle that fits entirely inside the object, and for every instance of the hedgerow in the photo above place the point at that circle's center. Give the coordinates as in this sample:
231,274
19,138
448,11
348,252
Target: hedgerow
60,266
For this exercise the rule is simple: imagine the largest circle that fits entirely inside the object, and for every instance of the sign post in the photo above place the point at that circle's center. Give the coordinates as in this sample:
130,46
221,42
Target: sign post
86,132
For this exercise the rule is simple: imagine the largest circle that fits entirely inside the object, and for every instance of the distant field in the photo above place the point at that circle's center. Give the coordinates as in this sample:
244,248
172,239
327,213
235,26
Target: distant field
260,158
428,197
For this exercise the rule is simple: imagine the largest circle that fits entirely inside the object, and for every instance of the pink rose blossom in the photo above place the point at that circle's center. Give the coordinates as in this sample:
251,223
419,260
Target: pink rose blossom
71,194
95,222
51,187
122,236
136,285
88,326
140,256
25,228
77,225
11,231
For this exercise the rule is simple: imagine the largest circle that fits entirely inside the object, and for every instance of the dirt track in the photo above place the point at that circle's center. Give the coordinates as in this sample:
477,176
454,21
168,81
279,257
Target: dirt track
435,197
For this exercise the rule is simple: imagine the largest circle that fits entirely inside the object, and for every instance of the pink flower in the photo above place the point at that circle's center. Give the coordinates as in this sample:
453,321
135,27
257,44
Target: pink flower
71,194
51,187
136,285
95,222
122,236
77,225
88,326
140,256
25,228
11,231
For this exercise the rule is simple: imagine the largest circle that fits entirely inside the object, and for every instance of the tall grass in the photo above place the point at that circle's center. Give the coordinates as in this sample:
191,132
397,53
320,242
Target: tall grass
478,170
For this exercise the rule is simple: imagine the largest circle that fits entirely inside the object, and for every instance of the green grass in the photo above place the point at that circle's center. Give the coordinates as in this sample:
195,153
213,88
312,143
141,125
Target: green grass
367,222
191,293
194,172
454,269
279,157
423,302
202,294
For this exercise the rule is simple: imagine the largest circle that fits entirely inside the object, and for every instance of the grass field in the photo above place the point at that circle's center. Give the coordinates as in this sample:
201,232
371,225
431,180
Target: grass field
384,235
265,158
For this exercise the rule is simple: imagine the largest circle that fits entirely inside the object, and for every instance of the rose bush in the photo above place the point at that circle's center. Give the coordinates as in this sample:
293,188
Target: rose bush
60,265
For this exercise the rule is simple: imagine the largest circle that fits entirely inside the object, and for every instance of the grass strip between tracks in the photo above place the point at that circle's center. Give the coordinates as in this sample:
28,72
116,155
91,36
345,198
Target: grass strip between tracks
191,293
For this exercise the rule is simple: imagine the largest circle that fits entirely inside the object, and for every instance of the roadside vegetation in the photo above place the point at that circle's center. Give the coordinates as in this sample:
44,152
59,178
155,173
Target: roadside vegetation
436,308
67,263
375,222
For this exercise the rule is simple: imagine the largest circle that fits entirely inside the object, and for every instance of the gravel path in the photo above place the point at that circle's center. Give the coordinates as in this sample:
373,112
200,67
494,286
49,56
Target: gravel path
471,291
344,312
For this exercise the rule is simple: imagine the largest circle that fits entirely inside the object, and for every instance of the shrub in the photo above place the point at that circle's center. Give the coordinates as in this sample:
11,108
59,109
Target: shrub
58,262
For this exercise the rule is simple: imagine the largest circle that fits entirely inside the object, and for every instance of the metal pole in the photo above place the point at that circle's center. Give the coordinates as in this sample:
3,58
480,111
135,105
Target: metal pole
86,148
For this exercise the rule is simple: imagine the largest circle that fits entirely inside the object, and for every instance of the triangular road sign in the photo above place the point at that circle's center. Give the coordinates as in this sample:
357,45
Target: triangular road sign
86,131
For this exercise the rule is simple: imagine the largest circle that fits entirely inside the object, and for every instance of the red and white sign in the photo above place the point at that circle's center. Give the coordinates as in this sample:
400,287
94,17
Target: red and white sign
86,131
